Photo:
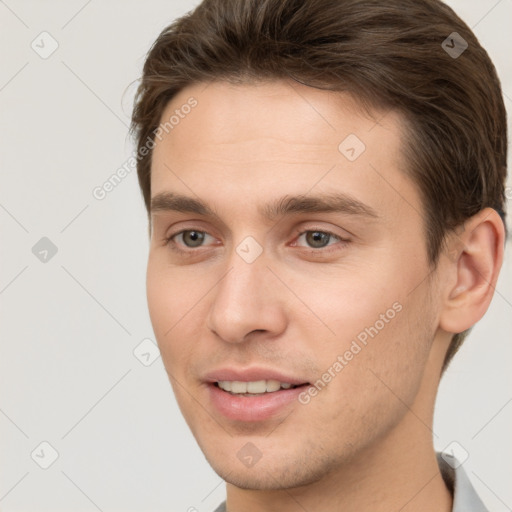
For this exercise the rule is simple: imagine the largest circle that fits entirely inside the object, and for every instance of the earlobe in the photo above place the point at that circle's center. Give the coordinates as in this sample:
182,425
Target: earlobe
476,255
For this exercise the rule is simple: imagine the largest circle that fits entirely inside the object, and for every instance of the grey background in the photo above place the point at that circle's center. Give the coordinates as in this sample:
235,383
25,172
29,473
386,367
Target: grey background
69,326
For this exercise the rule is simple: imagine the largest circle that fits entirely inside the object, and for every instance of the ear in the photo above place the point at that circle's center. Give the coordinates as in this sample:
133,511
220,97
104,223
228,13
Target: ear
475,254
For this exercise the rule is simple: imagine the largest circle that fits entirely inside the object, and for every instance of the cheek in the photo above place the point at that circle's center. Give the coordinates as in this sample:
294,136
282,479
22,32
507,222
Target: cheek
387,371
377,380
376,323
161,306
348,300
173,301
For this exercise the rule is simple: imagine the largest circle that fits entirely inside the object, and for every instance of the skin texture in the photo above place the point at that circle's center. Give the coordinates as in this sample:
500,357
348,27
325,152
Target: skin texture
298,306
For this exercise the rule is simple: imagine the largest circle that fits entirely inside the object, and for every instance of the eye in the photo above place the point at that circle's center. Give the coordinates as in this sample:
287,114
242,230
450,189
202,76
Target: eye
190,238
317,239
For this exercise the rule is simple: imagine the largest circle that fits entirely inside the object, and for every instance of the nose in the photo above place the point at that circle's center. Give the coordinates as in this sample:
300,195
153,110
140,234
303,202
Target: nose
247,300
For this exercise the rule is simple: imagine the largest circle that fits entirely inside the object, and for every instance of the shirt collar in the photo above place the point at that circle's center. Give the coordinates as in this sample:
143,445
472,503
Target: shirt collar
465,498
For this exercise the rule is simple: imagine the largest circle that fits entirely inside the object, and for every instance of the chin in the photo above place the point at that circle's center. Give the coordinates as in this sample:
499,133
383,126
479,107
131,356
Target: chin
275,470
263,478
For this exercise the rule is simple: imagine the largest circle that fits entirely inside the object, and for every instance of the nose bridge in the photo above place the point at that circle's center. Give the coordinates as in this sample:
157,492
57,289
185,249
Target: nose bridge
244,299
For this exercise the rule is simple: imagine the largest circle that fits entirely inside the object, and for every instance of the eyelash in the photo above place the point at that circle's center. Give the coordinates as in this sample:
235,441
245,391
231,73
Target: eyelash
174,246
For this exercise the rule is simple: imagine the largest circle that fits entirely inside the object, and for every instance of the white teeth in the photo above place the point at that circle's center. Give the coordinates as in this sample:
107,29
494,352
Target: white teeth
259,386
254,388
238,387
225,385
273,385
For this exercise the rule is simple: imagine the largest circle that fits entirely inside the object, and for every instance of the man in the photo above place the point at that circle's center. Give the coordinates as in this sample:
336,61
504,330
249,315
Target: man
325,187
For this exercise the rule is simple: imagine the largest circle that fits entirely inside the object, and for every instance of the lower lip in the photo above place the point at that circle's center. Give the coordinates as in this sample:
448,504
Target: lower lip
253,408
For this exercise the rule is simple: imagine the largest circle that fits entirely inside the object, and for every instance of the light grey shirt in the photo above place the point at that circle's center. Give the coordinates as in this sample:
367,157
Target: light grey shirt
465,498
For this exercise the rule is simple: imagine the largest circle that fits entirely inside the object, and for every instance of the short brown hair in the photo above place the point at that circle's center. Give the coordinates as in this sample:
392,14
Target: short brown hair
388,55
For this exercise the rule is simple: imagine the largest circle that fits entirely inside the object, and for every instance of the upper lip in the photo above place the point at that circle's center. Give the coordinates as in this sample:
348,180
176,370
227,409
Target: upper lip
251,375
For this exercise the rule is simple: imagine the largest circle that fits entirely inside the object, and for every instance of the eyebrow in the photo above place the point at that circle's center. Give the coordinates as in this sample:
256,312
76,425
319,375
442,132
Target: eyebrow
286,205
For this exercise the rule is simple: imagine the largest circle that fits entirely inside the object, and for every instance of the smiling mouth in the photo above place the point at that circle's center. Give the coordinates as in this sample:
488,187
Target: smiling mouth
255,388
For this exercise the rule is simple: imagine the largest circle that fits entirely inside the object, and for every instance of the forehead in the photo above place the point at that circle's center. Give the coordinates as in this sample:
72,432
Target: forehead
275,111
278,138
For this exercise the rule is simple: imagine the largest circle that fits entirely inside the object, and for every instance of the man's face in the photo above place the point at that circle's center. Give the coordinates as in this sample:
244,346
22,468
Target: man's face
335,302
